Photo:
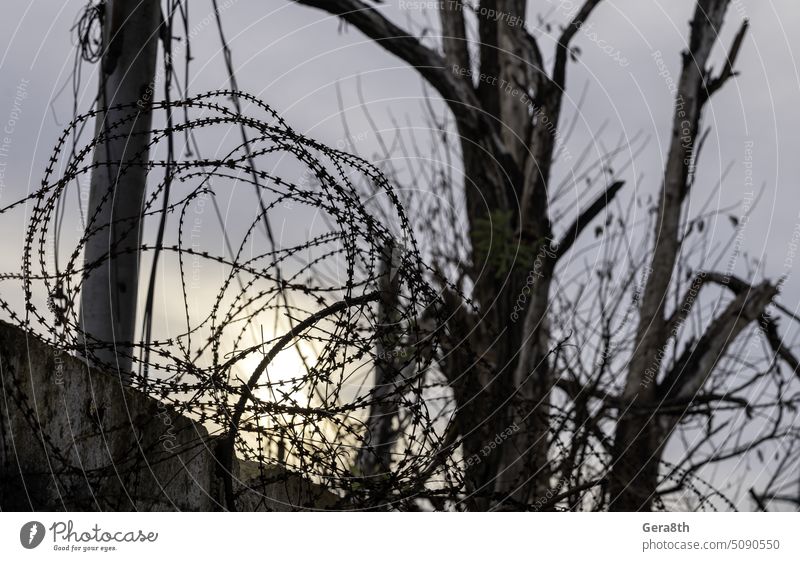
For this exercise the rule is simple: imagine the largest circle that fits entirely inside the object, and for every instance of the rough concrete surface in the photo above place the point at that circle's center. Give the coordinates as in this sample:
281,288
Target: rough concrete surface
74,438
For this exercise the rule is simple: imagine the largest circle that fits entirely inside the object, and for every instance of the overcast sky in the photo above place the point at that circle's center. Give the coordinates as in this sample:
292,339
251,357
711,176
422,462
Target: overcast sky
293,57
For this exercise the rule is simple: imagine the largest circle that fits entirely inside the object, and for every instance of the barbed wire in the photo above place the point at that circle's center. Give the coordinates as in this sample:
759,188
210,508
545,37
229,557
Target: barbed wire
318,417
346,390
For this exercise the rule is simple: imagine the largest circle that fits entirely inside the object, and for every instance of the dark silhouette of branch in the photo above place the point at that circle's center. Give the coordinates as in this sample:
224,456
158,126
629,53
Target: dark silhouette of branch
585,218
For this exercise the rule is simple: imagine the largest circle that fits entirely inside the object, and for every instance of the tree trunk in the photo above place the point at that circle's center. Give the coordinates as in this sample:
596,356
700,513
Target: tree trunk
375,455
638,439
119,179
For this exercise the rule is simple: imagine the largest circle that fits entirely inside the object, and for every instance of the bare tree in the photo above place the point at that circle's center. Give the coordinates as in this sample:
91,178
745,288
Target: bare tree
587,432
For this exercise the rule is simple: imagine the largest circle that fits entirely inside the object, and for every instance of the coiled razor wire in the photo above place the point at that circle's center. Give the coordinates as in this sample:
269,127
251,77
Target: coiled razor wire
365,414
343,322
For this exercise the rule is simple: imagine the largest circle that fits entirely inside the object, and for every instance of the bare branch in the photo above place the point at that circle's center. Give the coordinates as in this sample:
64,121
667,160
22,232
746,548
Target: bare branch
562,49
432,66
728,71
586,217
769,327
653,332
697,362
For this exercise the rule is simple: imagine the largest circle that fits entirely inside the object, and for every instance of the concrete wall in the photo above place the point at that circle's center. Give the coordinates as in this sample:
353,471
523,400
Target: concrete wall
73,438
